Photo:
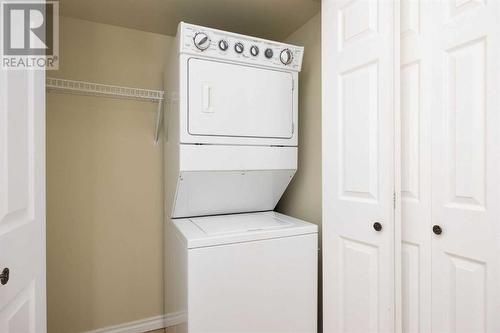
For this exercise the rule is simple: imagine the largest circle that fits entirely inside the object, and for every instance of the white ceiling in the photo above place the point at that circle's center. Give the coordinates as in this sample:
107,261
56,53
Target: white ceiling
273,19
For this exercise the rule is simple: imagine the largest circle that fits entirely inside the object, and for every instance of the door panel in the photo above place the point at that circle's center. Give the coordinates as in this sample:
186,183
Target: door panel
235,100
22,201
358,170
466,164
359,284
416,95
359,129
465,70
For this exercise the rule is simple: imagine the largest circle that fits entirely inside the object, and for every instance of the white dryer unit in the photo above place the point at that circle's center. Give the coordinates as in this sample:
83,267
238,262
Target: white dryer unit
234,89
231,149
231,123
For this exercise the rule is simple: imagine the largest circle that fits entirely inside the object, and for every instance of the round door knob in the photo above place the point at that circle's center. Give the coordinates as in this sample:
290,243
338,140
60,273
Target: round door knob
286,56
437,230
269,53
238,47
377,226
4,276
201,41
254,50
223,45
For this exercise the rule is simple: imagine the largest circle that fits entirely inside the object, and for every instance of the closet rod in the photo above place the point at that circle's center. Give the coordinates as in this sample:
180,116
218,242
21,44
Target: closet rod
106,90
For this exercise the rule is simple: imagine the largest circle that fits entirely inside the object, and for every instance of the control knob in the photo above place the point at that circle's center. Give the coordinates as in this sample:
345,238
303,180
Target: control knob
201,41
254,50
268,53
286,56
238,47
223,45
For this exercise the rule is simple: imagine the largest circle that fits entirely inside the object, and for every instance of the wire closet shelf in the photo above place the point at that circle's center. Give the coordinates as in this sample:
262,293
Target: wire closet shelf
112,91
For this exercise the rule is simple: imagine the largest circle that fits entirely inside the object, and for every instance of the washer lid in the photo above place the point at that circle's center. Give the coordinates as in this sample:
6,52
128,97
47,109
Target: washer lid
237,228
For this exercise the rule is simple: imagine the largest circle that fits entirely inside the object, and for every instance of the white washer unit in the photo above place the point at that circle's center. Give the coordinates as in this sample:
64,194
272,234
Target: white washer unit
251,273
232,264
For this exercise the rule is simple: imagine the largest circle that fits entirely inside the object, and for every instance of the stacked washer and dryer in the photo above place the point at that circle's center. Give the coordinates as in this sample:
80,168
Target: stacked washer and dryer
232,263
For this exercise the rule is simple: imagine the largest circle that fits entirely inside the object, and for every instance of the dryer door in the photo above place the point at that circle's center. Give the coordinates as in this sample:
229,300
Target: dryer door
232,100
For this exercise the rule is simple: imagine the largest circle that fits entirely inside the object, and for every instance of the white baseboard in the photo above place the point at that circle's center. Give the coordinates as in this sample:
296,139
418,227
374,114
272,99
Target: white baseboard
174,318
144,325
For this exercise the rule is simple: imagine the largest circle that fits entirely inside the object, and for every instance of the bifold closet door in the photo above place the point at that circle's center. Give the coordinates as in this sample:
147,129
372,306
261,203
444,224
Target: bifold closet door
358,166
450,119
416,110
466,166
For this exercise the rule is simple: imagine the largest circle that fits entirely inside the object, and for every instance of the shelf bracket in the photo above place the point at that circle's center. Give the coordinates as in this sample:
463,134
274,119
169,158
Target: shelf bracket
159,120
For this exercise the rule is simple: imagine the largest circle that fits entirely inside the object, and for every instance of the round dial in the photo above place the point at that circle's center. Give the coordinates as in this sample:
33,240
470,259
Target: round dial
201,41
286,56
268,53
223,45
238,47
254,50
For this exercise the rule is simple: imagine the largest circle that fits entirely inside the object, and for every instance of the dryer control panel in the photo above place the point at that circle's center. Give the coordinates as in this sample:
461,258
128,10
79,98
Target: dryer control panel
220,44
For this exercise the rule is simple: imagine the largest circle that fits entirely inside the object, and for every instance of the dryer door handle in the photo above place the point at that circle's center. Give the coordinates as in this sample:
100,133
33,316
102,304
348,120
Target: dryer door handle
207,98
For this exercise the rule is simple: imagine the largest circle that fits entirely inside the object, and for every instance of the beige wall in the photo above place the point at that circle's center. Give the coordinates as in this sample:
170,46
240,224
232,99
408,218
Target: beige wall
104,176
104,182
302,199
